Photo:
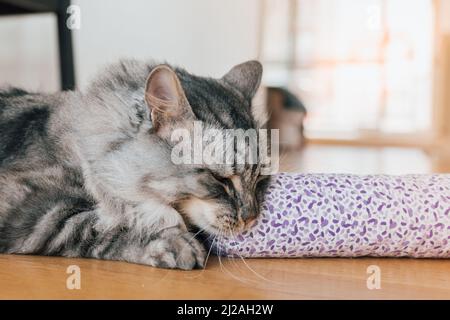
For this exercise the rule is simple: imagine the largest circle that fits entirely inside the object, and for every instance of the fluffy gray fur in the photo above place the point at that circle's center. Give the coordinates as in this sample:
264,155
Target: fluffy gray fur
88,174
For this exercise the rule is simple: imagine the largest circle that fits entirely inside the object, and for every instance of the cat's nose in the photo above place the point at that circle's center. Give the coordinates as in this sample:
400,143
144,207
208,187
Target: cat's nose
249,215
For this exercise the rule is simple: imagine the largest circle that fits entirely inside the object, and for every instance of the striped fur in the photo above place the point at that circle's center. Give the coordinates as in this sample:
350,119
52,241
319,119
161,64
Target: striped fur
83,174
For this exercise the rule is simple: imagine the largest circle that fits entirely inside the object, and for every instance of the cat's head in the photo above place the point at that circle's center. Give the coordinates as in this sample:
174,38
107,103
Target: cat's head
216,197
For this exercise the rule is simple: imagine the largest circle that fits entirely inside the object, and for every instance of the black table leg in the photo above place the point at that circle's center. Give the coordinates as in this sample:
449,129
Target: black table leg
66,61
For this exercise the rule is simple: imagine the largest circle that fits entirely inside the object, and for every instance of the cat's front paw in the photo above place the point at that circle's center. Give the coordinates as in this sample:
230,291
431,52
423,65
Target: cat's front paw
176,249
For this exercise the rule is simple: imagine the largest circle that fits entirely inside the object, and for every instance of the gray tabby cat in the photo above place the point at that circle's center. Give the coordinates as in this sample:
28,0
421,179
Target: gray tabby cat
90,175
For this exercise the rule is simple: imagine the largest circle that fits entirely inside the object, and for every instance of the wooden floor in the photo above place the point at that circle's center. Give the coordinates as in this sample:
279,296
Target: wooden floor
30,277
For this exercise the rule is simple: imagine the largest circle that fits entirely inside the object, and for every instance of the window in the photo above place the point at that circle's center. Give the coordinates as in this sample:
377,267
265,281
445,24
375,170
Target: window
360,66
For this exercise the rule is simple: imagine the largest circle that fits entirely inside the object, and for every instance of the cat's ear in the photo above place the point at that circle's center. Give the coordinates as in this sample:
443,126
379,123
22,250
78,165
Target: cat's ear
246,77
165,97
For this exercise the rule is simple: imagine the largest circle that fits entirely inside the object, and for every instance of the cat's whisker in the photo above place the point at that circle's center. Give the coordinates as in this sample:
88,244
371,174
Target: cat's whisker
209,252
206,259
230,234
253,270
239,256
223,268
189,241
233,257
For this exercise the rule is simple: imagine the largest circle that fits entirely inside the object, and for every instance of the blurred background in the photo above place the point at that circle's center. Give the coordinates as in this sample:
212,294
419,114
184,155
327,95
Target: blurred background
359,86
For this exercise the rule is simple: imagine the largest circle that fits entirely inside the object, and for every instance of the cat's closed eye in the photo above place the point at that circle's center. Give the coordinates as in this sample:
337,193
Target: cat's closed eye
261,186
223,180
262,180
215,176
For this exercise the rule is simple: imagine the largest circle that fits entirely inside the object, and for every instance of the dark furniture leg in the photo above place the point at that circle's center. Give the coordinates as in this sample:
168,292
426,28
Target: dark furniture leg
66,61
58,7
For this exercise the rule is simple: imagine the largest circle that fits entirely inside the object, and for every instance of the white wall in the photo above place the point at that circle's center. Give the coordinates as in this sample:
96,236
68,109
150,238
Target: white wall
28,52
205,36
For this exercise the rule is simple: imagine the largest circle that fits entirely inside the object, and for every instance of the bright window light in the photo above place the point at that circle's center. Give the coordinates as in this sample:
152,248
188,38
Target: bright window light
360,66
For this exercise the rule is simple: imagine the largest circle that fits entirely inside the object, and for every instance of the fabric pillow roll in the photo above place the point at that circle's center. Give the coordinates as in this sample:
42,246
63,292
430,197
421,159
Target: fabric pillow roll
341,215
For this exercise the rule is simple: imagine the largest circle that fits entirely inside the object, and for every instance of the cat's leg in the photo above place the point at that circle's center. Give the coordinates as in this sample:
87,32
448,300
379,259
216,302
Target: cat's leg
86,234
149,233
169,248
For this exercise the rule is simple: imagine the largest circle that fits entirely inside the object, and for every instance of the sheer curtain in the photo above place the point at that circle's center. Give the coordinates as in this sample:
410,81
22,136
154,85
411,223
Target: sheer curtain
360,66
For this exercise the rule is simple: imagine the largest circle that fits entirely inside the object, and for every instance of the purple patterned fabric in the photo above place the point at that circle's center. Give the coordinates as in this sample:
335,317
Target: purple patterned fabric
340,215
